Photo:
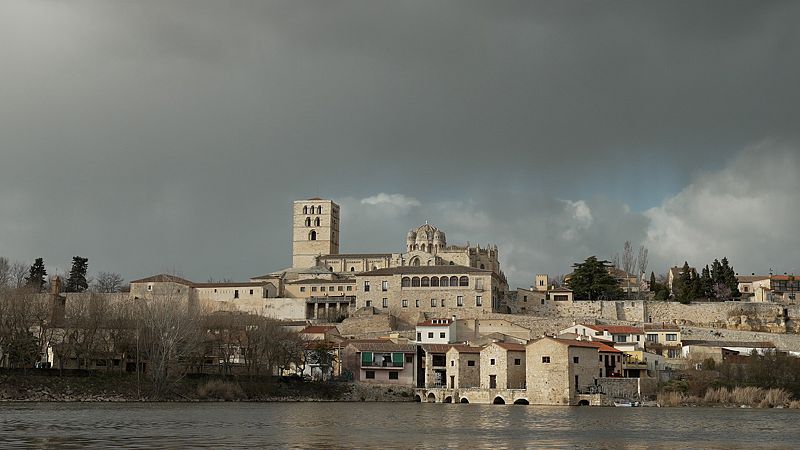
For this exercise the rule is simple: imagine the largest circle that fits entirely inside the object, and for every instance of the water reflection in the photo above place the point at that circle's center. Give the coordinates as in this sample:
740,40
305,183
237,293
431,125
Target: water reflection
349,425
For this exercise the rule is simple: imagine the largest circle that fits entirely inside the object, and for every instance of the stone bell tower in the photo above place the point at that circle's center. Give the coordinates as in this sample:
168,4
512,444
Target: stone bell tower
315,231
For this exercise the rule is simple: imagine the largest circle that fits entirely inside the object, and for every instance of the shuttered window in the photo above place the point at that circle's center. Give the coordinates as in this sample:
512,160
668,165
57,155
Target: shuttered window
366,358
397,359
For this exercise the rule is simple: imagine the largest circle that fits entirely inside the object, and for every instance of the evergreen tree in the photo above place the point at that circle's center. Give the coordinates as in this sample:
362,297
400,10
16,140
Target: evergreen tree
729,278
683,286
591,280
36,275
77,275
706,283
652,282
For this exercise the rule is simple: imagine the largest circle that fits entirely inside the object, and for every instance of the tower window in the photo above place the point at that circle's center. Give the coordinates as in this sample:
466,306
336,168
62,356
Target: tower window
319,209
312,236
316,222
308,221
305,209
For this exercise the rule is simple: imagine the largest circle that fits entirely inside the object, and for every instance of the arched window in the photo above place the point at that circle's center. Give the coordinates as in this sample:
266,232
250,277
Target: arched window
415,261
452,263
308,221
319,209
463,281
352,269
305,209
482,266
316,222
445,282
430,263
330,268
434,281
422,247
454,281
312,236
405,282
415,282
426,282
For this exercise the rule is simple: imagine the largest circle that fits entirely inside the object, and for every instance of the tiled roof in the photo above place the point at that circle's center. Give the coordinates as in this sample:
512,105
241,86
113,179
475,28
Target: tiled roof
751,278
661,327
605,347
511,346
616,329
164,278
570,342
228,284
356,255
380,345
560,289
318,329
435,348
785,277
429,323
426,270
322,281
743,344
465,348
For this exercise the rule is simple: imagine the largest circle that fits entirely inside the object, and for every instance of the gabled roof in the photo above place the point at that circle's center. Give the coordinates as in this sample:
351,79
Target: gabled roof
734,344
164,278
601,347
380,345
661,327
570,342
751,278
461,348
615,329
511,346
435,348
318,329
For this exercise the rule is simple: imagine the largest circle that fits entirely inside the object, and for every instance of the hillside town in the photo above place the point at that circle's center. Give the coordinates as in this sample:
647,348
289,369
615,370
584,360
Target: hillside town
436,317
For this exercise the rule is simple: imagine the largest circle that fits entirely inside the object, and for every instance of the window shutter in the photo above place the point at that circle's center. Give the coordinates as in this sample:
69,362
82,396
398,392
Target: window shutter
366,358
397,358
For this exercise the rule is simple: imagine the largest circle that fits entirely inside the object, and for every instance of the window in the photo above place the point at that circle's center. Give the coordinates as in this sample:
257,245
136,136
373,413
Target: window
460,300
575,359
312,236
409,358
452,363
442,303
454,281
673,353
236,293
366,286
251,292
543,301
149,287
430,335
405,303
478,300
444,282
435,281
441,335
319,209
491,362
671,337
316,222
652,338
385,303
541,282
416,303
384,285
479,283
463,281
620,338
368,303
308,221
352,269
339,288
313,289
405,282
349,288
393,375
415,282
305,209
419,336
561,297
545,359
601,358
433,303
425,282
517,361
369,374
471,363
322,288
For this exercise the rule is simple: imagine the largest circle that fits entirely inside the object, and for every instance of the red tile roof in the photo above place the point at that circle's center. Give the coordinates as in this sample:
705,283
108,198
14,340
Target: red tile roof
461,348
605,347
616,329
429,323
570,342
318,329
511,346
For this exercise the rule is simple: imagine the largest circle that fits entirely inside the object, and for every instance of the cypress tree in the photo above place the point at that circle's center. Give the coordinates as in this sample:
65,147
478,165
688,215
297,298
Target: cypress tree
652,282
77,275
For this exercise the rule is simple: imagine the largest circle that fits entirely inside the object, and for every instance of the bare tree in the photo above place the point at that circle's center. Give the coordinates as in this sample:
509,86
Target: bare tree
18,273
5,272
628,264
642,260
108,282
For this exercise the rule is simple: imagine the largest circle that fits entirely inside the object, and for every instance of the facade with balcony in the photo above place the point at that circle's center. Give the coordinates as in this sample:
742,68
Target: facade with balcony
380,361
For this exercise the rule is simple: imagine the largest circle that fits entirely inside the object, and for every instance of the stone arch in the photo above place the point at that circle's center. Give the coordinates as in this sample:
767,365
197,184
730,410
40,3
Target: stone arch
431,398
312,235
521,401
583,403
498,401
414,261
415,282
316,222
454,281
435,281
464,400
463,281
405,282
308,221
448,399
417,398
305,209
445,282
319,209
425,282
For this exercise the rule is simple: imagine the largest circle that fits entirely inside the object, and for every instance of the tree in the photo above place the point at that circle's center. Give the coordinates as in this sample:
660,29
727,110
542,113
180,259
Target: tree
5,272
706,283
642,265
18,274
627,265
109,282
76,282
591,280
683,285
36,275
652,281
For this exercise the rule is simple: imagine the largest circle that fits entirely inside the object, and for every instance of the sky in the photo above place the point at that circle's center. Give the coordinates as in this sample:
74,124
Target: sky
173,136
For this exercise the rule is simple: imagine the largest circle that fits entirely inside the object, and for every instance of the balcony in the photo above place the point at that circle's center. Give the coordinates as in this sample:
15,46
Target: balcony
381,365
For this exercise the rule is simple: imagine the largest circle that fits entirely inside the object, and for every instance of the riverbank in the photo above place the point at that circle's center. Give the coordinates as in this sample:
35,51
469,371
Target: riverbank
125,388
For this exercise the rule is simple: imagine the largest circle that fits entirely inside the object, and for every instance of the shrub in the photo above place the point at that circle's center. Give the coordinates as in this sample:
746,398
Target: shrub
220,390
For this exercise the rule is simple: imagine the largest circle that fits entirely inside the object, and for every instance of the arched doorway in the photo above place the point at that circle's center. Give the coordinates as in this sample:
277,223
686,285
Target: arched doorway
583,403
464,400
448,400
498,401
521,401
431,398
417,398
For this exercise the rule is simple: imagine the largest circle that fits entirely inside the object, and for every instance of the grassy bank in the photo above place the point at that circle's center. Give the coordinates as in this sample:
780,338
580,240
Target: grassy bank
124,387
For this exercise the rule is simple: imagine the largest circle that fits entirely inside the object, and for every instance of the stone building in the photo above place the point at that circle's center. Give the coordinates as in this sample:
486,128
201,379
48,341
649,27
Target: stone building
380,361
464,366
559,369
503,366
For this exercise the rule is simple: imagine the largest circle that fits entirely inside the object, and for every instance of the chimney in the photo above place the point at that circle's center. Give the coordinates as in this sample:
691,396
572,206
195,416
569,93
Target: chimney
55,285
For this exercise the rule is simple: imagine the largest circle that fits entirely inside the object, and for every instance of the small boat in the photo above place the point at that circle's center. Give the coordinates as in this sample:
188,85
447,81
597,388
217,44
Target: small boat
626,404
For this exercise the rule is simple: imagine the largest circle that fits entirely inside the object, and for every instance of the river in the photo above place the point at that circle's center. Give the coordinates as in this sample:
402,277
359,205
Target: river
389,425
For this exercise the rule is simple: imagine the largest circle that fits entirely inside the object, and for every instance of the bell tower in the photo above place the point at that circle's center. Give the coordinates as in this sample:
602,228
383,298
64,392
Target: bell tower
315,231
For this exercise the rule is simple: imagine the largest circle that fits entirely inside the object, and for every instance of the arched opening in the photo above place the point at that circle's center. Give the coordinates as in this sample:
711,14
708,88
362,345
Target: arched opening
463,281
330,268
319,209
352,269
464,400
448,400
415,282
521,401
454,281
415,261
312,236
422,247
498,401
431,398
417,398
482,266
583,403
452,263
405,282
435,281
316,222
308,221
305,209
425,282
445,282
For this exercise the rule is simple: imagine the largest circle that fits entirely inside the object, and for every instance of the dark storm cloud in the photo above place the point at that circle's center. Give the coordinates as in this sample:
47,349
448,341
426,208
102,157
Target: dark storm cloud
158,135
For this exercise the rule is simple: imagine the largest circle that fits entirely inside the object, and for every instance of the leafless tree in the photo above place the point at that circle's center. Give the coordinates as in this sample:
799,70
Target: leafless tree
5,272
108,282
642,261
628,264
